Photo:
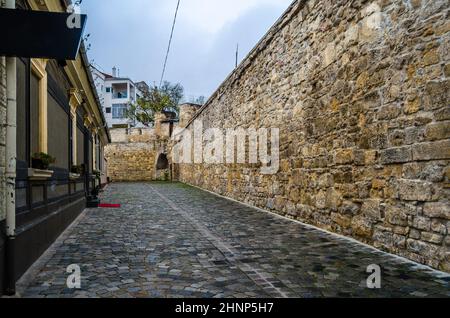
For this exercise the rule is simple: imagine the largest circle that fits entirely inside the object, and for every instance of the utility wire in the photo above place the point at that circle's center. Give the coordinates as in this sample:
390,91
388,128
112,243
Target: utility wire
170,42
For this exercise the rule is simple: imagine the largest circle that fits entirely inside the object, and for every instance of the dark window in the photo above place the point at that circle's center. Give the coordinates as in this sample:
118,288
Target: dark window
80,146
108,110
58,133
22,110
23,102
108,89
91,167
98,154
27,112
34,114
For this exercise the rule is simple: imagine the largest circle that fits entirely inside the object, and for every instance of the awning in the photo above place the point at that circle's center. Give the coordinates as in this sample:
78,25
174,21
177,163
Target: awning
41,34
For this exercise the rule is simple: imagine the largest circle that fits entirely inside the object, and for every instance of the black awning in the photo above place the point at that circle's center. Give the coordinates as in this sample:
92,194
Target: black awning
40,34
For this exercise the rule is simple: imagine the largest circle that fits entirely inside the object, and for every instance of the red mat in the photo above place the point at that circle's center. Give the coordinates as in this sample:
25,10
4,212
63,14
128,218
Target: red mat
106,205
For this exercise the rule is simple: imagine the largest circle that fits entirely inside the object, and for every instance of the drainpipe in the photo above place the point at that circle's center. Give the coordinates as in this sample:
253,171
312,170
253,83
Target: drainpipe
11,88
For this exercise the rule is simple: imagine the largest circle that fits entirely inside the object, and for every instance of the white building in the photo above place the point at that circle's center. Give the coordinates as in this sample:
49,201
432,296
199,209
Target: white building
116,94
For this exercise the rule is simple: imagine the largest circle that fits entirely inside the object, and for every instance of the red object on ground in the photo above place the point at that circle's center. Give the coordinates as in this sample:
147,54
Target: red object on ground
106,205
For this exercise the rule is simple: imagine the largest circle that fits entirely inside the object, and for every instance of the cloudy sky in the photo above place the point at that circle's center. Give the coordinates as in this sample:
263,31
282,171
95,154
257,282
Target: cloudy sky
133,35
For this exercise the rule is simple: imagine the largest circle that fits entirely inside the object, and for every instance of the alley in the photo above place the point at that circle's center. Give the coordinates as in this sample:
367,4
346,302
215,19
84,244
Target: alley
172,240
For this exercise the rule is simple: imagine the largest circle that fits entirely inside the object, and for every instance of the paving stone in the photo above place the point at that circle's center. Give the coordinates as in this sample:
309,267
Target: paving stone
171,240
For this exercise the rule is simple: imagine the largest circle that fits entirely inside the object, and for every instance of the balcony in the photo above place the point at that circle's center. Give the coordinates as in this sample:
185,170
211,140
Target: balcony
120,91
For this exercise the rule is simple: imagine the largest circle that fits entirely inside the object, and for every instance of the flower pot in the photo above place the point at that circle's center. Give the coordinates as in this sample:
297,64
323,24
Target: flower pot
39,174
74,176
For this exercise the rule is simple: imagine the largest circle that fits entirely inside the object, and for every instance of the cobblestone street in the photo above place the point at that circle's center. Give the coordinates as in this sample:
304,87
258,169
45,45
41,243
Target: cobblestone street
172,240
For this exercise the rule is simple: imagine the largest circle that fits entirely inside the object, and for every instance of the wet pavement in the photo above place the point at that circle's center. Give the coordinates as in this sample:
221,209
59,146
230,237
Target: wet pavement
173,240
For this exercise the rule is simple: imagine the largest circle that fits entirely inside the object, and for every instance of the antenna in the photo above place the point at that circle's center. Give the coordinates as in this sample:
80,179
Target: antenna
237,55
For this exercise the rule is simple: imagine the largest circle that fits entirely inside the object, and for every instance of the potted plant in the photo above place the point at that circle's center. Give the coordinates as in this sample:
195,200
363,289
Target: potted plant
93,200
76,172
42,161
97,174
77,169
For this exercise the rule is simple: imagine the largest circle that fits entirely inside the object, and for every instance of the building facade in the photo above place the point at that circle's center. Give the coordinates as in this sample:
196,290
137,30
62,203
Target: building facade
116,94
58,113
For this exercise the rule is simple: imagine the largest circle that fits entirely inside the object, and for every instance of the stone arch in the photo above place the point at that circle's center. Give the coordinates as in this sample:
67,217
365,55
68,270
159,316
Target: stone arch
163,162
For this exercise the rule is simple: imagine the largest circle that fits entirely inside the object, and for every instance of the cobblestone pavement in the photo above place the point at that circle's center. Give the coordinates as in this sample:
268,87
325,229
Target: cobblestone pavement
172,240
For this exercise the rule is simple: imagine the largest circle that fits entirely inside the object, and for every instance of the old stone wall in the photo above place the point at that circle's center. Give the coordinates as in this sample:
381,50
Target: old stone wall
2,136
133,154
360,92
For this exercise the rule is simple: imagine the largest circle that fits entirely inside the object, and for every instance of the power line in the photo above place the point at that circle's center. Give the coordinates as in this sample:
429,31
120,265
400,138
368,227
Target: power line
170,42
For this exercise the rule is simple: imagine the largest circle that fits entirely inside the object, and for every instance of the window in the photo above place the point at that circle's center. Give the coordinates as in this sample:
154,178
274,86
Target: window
22,110
80,145
118,111
58,129
90,161
98,154
34,114
108,89
28,88
108,110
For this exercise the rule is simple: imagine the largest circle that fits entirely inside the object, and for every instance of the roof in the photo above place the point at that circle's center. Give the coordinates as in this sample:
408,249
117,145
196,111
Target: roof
85,60
119,79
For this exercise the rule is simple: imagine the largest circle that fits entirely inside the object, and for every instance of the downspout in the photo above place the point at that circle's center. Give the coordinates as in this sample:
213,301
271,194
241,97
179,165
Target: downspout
11,124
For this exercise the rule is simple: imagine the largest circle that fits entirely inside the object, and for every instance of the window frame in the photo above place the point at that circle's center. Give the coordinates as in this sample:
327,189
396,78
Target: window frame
121,109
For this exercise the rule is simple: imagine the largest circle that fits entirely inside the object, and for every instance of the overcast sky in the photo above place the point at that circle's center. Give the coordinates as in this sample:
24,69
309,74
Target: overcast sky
133,35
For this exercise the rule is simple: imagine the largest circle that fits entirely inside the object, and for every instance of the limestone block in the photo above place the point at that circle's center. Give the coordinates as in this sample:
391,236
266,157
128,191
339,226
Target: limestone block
396,155
431,150
437,94
344,156
438,131
432,237
422,223
372,209
415,190
437,210
396,216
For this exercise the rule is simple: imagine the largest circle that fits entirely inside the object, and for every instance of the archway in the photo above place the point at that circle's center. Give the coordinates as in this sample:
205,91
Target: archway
162,163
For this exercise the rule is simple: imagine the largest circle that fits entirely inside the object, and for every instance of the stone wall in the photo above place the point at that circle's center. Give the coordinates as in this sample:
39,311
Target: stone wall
133,154
2,136
360,92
